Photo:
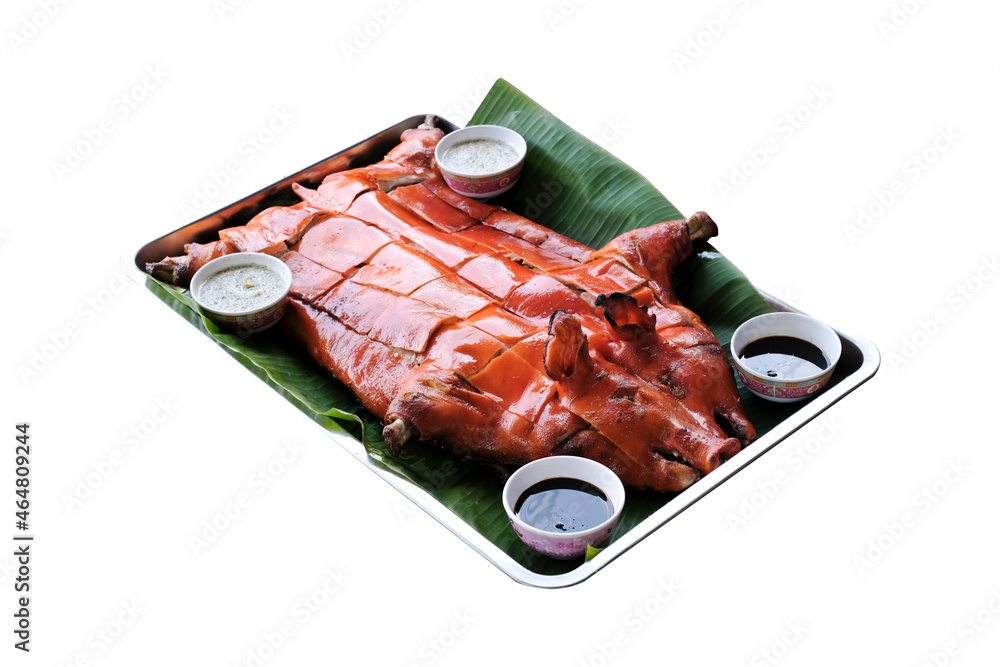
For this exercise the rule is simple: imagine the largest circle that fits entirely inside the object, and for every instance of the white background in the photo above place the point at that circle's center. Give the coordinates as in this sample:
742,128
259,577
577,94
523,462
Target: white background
844,563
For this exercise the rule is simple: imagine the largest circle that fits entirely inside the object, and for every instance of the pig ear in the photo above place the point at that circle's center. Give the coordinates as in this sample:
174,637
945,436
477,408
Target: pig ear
566,353
627,318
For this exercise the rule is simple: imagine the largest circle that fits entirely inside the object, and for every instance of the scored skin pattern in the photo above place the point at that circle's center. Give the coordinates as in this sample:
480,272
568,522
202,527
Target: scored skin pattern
465,324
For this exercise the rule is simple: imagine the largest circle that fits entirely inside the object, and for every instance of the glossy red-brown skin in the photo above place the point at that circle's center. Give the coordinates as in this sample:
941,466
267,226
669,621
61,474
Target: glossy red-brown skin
416,149
371,370
536,299
454,295
462,348
180,270
473,207
489,239
654,473
653,253
399,269
468,325
641,420
495,274
536,234
309,279
338,191
432,208
201,254
272,230
340,243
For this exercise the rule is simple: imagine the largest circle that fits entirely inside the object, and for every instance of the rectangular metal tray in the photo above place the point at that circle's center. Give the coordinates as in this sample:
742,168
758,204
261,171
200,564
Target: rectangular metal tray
859,362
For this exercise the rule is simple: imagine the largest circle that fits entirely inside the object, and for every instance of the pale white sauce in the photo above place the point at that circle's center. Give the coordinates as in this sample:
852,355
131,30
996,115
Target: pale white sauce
476,157
241,289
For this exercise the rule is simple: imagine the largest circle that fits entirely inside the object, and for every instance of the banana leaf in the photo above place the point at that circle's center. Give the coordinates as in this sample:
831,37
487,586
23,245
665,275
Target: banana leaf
572,186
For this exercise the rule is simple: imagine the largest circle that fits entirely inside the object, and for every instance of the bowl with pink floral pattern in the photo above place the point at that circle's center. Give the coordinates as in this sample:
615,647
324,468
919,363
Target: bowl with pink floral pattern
481,161
785,357
560,505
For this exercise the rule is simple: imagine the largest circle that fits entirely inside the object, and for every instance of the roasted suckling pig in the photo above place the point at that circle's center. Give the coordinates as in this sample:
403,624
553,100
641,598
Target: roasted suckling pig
468,326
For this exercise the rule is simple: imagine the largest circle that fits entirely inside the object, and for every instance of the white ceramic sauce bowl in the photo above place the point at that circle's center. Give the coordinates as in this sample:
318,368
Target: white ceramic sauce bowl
482,186
564,545
251,321
794,325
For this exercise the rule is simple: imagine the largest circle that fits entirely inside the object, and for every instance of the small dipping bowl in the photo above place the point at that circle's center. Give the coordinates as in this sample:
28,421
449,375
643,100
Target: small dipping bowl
482,185
564,545
792,325
262,316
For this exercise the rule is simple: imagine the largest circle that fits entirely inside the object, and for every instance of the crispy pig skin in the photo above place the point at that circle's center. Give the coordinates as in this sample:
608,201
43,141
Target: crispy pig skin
466,325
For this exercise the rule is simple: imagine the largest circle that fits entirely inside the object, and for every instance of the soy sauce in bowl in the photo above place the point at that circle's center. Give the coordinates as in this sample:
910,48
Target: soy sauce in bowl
783,357
563,505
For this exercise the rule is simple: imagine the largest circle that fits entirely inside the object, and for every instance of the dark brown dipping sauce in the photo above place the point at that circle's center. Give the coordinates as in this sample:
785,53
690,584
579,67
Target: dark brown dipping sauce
783,357
563,505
